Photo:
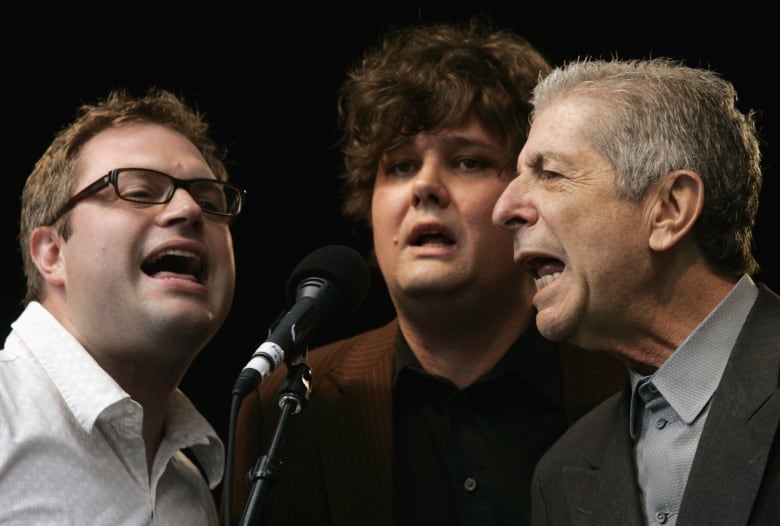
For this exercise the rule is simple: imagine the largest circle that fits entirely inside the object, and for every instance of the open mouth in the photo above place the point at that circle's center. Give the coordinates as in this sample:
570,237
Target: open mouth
431,235
544,270
432,238
174,262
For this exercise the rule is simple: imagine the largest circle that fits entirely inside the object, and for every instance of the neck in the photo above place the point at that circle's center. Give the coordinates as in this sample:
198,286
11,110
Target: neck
670,314
463,345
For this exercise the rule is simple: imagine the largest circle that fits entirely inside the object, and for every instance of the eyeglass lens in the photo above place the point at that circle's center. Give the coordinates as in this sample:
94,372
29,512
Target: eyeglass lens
154,187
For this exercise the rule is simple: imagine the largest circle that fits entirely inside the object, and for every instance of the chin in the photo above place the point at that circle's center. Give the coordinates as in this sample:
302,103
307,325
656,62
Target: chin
552,327
190,320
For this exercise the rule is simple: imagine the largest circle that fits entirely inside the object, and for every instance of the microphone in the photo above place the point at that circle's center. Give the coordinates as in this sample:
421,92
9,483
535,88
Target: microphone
327,285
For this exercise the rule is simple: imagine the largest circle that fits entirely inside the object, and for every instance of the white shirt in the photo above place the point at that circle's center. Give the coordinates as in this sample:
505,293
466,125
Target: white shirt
71,450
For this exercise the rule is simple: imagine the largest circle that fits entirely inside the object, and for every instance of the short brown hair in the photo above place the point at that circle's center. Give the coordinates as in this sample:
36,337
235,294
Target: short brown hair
54,176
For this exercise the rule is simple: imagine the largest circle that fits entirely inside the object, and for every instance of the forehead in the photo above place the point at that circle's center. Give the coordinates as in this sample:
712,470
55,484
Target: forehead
472,132
560,123
560,139
144,145
567,117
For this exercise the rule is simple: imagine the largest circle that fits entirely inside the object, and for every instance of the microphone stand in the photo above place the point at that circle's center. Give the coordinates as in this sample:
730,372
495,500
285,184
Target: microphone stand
292,397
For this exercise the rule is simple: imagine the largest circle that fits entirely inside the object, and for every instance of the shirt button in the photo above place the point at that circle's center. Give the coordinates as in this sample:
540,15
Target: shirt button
661,517
661,423
652,388
470,484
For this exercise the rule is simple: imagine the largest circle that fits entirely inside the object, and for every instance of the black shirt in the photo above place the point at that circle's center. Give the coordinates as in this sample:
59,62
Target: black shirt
465,457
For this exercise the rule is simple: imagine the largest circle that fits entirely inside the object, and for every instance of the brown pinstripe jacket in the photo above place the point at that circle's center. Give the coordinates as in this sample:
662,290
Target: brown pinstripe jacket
338,452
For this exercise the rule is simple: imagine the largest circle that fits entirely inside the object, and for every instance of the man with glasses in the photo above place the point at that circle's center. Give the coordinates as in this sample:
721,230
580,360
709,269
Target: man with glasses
127,250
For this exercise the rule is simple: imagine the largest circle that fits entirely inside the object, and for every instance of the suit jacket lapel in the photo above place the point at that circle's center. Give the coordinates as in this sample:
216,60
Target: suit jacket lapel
740,427
606,494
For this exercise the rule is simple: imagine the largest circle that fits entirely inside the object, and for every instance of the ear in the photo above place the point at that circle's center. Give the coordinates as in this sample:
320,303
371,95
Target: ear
46,252
676,206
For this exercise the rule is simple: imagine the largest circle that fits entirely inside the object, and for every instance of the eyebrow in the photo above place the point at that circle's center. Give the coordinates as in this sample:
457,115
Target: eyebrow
449,137
460,139
538,159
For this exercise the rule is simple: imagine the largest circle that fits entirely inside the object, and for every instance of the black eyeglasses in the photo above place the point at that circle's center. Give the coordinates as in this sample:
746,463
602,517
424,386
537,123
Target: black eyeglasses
141,185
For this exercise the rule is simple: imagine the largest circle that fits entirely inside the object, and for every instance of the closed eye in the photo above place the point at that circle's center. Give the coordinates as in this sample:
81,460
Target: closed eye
546,175
537,164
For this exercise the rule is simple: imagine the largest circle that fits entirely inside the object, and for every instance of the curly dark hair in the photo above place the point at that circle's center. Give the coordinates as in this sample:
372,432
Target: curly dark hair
429,78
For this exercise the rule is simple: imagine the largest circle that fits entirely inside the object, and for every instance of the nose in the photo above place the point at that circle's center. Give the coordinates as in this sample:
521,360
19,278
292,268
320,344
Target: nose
429,188
514,208
182,208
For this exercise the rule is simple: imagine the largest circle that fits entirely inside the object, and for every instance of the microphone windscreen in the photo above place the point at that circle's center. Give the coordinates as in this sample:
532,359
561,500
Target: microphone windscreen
345,270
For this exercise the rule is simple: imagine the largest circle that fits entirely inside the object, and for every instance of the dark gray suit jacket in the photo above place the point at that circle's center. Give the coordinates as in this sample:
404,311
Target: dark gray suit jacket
588,476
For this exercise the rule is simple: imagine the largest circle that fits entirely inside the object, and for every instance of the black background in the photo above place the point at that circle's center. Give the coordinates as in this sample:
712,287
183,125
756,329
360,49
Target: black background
266,78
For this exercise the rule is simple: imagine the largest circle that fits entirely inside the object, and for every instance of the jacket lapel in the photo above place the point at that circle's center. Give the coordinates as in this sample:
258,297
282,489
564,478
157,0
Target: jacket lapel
605,494
740,427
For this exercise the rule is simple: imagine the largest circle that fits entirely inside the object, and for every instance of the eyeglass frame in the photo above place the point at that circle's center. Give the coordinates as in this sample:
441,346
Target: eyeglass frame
111,179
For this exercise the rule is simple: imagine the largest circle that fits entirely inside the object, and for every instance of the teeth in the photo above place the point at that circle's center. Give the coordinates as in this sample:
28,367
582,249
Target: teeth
175,252
546,280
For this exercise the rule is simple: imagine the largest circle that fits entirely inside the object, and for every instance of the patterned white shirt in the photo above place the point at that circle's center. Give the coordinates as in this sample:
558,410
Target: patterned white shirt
71,449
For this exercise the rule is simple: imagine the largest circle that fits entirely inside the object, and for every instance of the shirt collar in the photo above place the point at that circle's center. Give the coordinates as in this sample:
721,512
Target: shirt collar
530,357
185,427
86,388
91,393
689,378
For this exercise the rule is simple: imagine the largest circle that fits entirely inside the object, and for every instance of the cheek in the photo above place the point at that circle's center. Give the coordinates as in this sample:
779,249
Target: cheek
221,248
388,209
479,211
93,246
388,203
496,245
93,262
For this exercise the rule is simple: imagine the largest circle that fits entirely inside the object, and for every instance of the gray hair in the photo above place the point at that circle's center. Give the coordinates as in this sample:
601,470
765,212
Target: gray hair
660,115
